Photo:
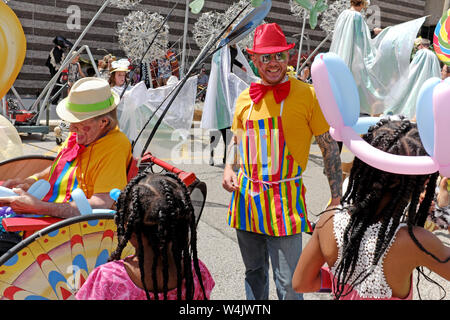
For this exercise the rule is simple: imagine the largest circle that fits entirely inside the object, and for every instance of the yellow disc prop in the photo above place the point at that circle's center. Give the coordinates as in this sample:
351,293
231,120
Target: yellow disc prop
13,46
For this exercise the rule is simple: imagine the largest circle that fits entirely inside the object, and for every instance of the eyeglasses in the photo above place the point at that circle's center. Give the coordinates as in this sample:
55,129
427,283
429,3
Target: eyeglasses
279,56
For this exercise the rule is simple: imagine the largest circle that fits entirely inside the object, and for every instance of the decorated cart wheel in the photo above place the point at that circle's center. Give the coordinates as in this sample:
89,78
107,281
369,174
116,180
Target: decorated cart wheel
54,262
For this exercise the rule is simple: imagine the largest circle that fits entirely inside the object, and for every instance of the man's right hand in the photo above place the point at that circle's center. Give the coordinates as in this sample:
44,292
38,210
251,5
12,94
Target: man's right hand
229,181
23,184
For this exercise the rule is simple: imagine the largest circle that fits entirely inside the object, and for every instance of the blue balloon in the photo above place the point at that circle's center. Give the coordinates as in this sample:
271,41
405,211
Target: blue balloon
424,114
81,201
364,123
344,88
39,189
7,192
103,211
114,194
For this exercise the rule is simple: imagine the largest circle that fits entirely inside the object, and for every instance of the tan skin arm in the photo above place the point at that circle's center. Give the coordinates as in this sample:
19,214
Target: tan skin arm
26,203
306,277
26,183
417,257
229,181
443,196
332,164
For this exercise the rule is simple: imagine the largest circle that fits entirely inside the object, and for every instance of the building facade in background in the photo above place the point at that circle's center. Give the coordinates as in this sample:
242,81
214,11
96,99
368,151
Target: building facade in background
43,20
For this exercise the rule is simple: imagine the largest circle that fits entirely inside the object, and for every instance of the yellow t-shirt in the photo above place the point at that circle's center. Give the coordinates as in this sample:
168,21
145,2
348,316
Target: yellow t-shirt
301,119
103,164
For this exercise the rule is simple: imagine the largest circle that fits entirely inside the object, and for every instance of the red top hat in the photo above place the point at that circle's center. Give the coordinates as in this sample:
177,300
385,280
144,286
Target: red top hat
269,38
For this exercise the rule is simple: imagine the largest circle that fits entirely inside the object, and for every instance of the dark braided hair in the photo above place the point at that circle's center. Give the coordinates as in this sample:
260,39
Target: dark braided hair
368,186
157,207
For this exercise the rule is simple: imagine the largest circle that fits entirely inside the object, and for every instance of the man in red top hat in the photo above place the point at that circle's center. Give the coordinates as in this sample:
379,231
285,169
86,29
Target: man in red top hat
273,125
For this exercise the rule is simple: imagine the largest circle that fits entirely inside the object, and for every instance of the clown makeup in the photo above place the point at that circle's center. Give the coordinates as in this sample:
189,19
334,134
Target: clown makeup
89,130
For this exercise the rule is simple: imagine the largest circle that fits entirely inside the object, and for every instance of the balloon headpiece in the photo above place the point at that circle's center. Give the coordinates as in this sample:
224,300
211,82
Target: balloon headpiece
339,100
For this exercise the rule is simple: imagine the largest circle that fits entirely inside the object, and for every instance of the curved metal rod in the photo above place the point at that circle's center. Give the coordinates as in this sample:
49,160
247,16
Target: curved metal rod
200,59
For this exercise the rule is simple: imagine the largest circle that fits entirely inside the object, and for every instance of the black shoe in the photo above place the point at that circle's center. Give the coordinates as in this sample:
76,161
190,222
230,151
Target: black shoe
211,162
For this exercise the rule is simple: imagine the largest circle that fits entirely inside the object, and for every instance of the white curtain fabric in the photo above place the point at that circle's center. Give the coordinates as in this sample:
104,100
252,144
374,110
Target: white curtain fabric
139,103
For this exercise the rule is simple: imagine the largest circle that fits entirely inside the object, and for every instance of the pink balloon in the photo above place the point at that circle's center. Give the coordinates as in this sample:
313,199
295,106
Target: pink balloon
441,109
386,161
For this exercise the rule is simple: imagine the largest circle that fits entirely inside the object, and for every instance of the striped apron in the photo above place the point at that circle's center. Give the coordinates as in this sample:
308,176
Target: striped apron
271,196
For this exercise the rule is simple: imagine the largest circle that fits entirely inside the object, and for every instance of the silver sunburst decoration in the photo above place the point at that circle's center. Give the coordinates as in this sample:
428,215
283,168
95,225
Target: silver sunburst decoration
136,32
125,4
209,24
212,22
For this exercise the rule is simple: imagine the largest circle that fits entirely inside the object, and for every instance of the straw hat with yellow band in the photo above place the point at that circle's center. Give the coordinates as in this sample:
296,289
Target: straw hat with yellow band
88,98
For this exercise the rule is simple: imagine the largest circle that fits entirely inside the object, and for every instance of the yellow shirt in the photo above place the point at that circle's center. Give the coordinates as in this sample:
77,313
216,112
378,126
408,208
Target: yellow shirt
301,119
103,164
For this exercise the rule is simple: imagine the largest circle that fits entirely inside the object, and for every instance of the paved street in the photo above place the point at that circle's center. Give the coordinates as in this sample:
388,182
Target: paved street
217,242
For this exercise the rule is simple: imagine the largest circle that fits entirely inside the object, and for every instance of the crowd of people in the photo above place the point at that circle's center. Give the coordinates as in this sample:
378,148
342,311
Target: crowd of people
365,245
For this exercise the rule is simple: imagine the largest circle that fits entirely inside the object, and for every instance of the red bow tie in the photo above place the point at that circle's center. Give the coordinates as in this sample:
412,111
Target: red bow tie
73,149
280,91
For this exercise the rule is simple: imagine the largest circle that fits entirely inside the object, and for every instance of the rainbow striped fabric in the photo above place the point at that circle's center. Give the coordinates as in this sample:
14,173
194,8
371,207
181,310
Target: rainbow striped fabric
63,180
62,176
271,195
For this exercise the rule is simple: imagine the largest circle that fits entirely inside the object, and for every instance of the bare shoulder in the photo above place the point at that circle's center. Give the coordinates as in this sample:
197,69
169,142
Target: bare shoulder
325,234
419,237
325,219
424,249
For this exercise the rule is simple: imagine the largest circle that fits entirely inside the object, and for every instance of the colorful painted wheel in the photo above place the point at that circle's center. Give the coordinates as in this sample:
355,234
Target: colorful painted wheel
441,40
53,263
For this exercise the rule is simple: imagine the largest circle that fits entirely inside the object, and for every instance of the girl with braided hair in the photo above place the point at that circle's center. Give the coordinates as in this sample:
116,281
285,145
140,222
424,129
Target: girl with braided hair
375,239
155,214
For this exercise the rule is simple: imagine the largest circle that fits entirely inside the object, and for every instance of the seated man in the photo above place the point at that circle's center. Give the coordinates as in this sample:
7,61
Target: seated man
94,157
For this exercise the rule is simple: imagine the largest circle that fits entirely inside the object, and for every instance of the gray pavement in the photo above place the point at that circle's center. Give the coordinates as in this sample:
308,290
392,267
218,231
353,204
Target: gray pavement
217,242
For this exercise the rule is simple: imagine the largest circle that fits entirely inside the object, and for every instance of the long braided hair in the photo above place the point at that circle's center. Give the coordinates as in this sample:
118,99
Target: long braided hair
368,186
158,207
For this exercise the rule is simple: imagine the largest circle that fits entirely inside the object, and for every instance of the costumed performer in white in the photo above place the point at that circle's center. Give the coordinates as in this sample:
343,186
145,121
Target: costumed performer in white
425,65
376,64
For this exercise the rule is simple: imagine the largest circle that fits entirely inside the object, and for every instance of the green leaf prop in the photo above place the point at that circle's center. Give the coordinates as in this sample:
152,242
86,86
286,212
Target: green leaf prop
314,11
305,4
257,3
196,6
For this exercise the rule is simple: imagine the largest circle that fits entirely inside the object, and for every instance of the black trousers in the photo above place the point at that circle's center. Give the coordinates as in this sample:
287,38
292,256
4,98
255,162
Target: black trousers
215,138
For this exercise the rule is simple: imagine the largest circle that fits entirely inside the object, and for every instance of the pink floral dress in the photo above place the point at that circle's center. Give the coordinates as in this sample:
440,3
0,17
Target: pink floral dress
110,281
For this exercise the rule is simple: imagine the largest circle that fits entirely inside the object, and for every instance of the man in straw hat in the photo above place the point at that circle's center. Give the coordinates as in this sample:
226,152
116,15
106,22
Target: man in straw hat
273,124
94,157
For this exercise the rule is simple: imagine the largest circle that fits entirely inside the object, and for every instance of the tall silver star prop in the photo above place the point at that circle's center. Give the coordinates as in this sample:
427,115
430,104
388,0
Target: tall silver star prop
212,22
137,30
